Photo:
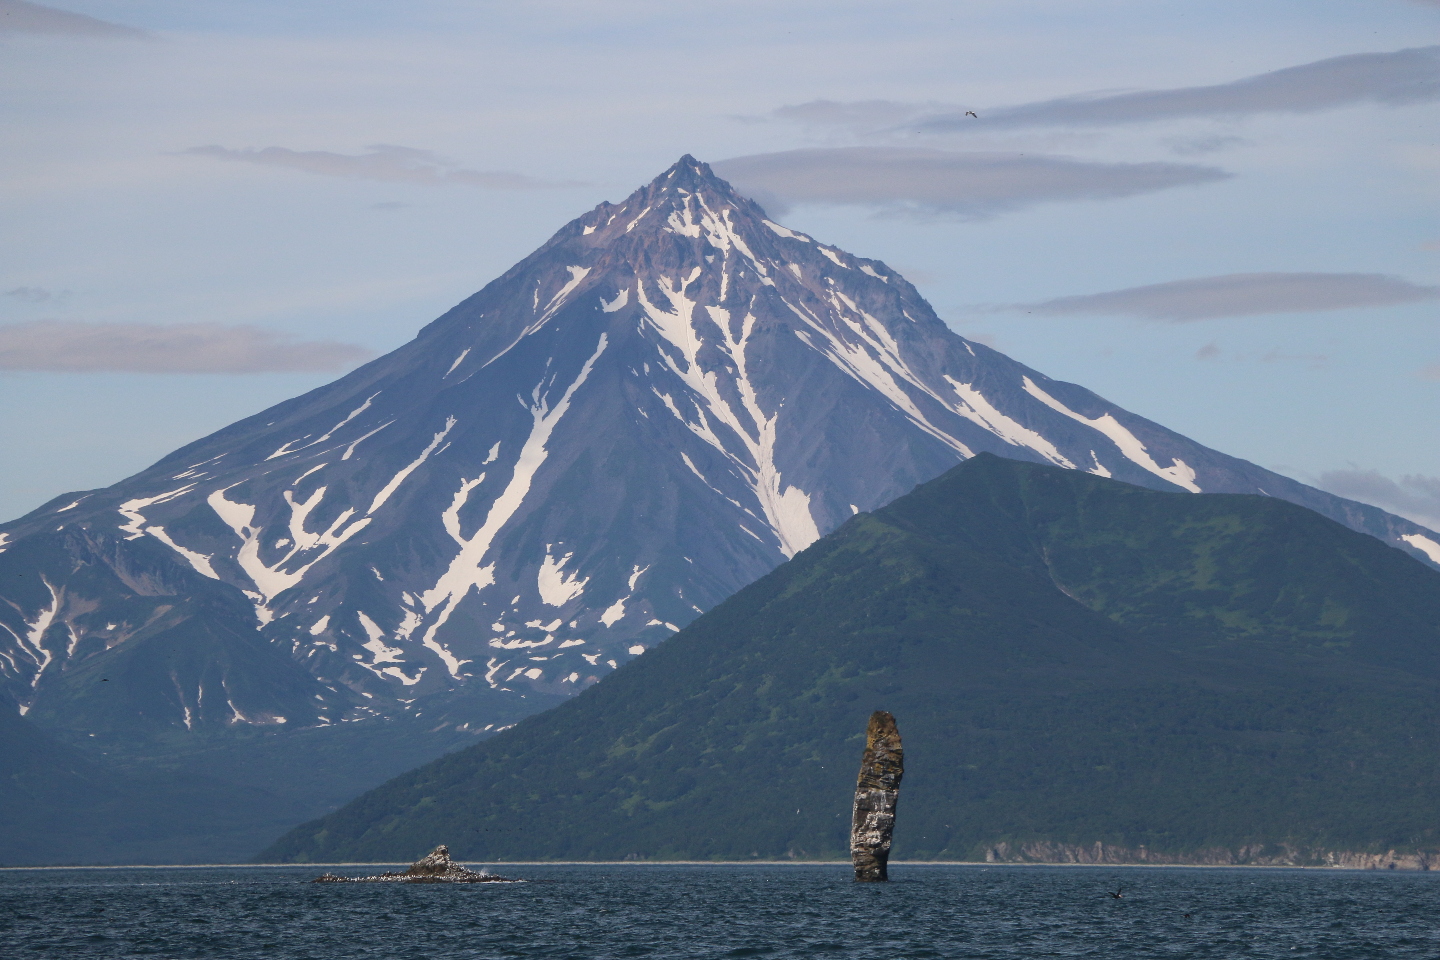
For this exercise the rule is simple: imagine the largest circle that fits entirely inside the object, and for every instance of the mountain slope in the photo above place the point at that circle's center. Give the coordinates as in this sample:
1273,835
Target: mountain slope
63,804
1070,659
661,404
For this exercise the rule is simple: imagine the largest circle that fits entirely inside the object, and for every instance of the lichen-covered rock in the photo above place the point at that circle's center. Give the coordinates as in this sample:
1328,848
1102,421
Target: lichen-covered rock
435,867
436,863
876,793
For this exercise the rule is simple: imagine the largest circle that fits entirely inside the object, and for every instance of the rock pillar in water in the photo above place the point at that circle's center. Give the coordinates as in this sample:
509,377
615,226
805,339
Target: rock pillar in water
875,794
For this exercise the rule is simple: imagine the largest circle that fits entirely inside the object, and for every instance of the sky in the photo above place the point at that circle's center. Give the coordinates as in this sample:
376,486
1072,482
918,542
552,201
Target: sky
1224,217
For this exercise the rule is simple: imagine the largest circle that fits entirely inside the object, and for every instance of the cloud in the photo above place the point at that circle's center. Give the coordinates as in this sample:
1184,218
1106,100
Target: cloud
1313,360
971,186
1415,497
1195,146
1212,351
383,162
1392,79
1243,294
855,114
82,347
30,294
17,16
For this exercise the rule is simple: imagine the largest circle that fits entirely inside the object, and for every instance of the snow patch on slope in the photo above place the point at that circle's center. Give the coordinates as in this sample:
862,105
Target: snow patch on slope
614,613
272,579
1179,472
463,354
558,588
786,232
872,356
350,450
621,298
468,570
577,274
135,520
786,507
1424,544
382,653
32,644
199,561
975,407
287,449
399,478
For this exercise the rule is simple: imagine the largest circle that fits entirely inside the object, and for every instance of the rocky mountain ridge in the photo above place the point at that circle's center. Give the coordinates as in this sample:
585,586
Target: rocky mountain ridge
665,401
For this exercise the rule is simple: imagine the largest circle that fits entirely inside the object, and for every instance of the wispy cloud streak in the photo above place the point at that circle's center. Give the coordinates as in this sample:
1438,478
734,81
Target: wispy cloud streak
82,347
1243,294
1392,79
385,162
17,16
970,186
31,294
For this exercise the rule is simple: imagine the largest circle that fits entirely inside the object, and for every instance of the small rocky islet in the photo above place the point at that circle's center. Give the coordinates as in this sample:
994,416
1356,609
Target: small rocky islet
435,867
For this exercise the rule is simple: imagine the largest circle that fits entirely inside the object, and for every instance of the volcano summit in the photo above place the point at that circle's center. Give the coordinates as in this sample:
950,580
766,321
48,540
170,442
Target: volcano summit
660,405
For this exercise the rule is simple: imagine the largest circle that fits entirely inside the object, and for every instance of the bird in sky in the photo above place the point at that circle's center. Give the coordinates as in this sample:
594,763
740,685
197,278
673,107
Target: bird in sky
971,113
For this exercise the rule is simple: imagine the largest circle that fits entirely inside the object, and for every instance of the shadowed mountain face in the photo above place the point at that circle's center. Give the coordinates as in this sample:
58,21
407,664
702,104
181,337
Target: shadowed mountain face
660,405
1071,659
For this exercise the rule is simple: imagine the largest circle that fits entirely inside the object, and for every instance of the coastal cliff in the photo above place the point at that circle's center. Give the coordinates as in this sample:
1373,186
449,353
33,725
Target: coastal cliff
1252,855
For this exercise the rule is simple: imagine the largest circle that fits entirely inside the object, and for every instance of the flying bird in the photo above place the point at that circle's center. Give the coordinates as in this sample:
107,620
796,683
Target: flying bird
971,113
1118,893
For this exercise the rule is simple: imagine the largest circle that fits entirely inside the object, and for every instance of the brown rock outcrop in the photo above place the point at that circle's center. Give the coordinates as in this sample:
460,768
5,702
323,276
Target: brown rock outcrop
435,867
876,793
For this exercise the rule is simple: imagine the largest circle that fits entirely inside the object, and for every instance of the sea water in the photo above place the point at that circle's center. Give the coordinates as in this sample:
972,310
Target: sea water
722,910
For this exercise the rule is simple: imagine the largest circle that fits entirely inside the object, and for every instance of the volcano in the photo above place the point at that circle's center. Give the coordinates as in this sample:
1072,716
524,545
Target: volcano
667,400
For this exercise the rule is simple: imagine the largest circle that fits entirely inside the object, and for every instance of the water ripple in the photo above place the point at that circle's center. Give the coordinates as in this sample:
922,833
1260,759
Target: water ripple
741,911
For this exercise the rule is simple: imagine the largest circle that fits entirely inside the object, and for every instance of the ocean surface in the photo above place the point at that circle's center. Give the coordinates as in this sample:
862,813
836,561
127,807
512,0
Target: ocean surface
652,910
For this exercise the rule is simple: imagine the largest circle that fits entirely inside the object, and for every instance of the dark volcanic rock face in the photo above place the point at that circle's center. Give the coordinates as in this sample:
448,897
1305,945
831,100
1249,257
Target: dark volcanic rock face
661,404
876,793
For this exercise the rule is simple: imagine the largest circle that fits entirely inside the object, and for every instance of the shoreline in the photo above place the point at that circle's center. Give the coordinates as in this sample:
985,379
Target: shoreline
1326,868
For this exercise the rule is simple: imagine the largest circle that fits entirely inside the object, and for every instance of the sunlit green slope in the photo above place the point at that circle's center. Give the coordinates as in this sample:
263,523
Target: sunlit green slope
1070,658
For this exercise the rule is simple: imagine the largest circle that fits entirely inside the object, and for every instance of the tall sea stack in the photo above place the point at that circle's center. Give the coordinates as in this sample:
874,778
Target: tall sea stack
876,792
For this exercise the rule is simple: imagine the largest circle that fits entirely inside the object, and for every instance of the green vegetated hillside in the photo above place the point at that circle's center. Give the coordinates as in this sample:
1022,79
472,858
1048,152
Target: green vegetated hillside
1069,658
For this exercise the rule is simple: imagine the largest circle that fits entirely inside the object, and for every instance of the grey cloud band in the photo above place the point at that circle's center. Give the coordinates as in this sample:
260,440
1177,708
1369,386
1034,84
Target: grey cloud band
1394,78
970,186
385,162
80,346
1243,294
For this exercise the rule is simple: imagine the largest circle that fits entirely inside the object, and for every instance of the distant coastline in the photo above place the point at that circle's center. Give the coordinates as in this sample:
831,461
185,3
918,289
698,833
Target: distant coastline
1330,861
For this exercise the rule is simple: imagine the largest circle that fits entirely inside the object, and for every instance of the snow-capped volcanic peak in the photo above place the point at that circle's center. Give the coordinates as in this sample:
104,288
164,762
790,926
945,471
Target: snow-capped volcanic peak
665,401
